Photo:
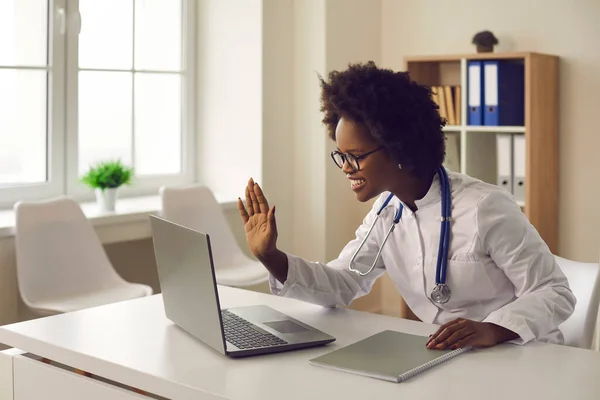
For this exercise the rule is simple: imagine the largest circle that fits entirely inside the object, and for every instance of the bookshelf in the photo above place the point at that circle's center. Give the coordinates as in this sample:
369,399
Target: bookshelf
476,145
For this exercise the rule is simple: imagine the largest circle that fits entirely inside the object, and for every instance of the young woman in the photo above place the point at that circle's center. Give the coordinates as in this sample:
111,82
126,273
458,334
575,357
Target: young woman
461,253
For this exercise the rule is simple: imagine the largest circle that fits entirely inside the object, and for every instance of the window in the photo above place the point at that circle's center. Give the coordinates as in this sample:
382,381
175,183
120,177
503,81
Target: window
85,80
31,99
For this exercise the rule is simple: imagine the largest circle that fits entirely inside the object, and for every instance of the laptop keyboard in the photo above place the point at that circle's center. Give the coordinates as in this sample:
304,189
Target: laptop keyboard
245,335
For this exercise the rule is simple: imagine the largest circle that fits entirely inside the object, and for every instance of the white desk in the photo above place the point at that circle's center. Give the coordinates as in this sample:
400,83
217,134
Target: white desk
133,343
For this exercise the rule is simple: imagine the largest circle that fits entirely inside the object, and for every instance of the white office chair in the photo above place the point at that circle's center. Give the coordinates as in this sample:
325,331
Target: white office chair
584,280
196,208
61,264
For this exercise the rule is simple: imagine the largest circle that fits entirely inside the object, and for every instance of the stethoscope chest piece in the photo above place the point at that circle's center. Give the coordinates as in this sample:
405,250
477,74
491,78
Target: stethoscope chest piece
441,293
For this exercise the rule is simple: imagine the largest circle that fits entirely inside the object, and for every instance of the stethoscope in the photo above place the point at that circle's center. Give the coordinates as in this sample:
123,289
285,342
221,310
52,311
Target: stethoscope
441,291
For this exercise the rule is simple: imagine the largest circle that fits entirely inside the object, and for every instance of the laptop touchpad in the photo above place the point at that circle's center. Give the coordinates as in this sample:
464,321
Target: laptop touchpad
285,326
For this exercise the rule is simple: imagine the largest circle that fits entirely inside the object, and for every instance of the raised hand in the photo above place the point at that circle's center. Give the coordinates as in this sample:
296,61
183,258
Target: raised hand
259,221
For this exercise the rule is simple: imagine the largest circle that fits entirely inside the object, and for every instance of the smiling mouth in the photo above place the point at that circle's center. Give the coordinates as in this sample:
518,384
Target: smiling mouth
357,183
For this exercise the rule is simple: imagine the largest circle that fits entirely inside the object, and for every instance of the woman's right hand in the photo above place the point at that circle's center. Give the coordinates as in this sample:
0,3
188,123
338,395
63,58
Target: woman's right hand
259,221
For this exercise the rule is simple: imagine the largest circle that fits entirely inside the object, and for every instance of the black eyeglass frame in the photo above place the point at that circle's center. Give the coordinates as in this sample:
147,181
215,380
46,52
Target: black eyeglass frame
346,156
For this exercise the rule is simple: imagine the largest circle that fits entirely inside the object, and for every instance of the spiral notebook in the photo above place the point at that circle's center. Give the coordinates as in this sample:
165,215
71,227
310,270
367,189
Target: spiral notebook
388,355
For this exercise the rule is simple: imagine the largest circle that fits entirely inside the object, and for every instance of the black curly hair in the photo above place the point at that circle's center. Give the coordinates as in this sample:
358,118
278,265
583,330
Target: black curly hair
398,112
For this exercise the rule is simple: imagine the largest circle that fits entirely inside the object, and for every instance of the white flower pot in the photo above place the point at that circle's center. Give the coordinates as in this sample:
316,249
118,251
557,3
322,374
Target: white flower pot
106,198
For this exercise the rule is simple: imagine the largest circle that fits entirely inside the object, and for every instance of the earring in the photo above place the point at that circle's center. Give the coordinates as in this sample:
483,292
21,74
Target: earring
399,166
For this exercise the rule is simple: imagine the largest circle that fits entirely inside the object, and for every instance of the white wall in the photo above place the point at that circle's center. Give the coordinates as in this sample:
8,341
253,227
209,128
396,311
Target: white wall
245,101
569,29
308,143
353,35
229,94
288,144
277,114
328,34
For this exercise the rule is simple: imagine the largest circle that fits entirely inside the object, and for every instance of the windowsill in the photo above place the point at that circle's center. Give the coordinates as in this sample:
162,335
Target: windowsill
128,222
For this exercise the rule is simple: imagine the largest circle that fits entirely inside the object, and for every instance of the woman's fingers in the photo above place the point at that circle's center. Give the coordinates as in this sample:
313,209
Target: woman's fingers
454,338
469,340
441,328
262,200
271,220
243,212
249,201
255,205
445,334
436,336
256,202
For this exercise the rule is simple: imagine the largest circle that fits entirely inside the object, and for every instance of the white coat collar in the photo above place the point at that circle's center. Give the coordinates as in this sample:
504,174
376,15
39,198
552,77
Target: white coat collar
433,195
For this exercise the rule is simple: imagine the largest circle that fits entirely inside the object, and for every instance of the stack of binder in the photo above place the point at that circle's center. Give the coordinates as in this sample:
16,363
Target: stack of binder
448,100
496,93
510,150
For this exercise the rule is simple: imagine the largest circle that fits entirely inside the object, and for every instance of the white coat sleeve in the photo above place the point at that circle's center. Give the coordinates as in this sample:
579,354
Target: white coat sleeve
544,299
333,284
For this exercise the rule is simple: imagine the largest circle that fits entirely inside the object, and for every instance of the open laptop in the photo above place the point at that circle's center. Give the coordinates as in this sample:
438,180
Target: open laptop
191,300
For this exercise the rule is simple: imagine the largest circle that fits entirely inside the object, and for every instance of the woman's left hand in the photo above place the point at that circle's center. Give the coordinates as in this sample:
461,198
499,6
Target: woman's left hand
463,332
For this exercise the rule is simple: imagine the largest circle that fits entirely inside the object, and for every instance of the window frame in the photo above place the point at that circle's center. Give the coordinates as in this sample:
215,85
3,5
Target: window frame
55,121
64,24
151,183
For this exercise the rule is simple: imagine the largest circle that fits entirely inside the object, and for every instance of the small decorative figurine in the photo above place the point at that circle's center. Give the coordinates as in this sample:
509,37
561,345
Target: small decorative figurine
485,41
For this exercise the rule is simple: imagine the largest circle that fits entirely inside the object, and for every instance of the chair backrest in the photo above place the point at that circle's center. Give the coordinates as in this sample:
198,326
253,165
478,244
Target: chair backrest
58,252
196,207
584,280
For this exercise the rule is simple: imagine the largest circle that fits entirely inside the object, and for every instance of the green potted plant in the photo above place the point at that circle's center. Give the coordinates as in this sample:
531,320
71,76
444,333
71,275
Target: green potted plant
106,177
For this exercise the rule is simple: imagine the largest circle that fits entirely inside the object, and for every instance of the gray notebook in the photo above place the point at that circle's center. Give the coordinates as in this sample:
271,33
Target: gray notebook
388,355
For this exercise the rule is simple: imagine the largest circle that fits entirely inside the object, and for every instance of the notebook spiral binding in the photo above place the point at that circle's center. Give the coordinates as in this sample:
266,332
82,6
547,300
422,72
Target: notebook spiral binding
419,370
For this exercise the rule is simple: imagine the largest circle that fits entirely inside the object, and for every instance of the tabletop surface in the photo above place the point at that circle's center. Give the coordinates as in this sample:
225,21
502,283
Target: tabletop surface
132,342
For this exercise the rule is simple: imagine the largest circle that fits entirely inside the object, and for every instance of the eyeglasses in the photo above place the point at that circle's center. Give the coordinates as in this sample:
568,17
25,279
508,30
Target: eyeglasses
352,160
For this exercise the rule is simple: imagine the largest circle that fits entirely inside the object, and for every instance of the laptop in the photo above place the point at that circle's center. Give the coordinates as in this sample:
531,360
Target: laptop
191,300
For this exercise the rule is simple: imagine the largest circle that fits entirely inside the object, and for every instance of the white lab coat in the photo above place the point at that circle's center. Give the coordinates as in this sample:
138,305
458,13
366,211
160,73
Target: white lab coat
499,269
